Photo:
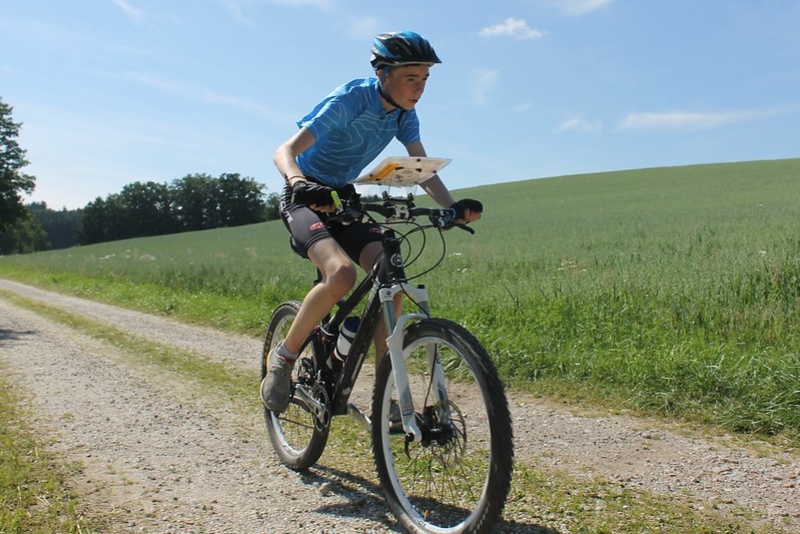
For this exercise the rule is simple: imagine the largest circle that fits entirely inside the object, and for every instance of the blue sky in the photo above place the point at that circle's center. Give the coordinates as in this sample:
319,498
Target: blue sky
115,91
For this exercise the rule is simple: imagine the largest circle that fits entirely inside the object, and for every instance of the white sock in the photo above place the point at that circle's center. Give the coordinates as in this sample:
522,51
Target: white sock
284,353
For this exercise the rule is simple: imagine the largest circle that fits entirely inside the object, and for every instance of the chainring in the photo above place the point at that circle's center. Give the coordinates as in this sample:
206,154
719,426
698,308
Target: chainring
320,394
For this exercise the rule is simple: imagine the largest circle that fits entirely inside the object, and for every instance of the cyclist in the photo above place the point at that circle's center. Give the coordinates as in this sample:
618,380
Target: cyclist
333,145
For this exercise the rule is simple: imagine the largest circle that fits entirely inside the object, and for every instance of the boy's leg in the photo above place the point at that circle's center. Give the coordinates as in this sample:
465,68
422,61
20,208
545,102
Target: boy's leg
338,277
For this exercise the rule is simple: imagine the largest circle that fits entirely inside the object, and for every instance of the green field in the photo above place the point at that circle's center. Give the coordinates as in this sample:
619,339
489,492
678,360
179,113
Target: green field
674,290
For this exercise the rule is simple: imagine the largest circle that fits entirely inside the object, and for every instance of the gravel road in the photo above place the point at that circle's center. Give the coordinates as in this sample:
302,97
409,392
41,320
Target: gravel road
164,457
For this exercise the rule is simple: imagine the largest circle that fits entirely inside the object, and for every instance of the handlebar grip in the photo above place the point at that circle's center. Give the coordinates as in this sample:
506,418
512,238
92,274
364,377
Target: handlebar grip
336,200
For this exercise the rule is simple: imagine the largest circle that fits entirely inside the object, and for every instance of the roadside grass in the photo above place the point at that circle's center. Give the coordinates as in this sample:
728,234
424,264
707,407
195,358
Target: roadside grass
35,497
539,498
672,291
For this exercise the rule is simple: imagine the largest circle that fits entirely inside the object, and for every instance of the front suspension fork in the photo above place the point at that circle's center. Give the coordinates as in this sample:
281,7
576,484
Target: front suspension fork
396,326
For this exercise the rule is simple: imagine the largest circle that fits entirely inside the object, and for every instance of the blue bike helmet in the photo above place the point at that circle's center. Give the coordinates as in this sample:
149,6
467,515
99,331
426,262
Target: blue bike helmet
401,48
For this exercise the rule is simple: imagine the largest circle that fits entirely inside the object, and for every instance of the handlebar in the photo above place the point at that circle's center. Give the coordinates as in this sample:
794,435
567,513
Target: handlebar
395,209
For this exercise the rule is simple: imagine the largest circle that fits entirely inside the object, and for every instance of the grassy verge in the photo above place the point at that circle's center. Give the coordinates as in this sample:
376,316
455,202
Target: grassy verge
538,497
34,483
612,354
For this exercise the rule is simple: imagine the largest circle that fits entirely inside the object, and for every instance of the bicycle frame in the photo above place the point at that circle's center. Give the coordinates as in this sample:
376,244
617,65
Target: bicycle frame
386,280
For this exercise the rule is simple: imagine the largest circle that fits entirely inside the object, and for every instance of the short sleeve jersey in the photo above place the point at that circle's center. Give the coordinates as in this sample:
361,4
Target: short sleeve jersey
351,128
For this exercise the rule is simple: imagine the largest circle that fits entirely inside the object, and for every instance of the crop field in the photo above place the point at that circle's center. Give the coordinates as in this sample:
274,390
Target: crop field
673,291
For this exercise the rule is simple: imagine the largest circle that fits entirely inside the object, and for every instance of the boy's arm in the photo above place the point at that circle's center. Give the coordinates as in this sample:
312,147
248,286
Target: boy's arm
469,212
286,154
433,186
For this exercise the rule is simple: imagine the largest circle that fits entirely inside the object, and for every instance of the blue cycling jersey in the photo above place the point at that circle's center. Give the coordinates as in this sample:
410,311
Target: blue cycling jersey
350,129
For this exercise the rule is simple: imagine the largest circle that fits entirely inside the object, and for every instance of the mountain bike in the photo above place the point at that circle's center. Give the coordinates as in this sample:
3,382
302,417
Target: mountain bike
440,424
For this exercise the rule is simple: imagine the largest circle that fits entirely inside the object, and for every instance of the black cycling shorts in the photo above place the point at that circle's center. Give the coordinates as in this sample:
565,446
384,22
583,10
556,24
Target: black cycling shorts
307,226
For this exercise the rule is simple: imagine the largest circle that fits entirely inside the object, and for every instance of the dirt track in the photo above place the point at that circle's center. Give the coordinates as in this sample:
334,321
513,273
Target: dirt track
164,457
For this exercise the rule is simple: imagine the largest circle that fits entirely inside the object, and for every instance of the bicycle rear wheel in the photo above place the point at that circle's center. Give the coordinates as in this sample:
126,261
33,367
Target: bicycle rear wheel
457,479
294,436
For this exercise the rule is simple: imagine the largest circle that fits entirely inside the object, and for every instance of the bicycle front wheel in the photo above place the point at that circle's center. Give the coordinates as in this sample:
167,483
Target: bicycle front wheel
294,436
457,478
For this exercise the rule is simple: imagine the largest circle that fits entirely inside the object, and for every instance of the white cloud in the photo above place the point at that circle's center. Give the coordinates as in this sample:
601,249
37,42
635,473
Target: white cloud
136,14
321,4
687,120
576,8
235,10
204,94
143,18
482,84
578,124
676,120
517,28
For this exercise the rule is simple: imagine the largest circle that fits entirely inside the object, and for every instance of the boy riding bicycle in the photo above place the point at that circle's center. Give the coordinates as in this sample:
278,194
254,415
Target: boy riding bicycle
335,142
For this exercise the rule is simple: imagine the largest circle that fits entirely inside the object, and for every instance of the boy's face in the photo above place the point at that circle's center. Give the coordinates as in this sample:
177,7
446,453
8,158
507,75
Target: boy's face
406,84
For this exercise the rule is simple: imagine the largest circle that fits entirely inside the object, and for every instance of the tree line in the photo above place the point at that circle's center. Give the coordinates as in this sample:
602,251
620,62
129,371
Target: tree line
141,209
194,202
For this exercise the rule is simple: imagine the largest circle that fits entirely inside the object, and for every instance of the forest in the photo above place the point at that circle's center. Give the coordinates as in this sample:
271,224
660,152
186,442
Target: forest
143,209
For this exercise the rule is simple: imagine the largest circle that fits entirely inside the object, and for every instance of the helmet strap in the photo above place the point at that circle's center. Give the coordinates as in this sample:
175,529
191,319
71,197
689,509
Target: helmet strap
382,91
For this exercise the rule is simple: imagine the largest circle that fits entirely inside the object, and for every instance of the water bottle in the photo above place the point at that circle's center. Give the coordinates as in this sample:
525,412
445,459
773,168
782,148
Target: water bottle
346,336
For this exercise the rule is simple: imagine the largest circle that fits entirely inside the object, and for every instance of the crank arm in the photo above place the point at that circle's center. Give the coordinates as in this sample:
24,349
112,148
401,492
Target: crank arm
309,403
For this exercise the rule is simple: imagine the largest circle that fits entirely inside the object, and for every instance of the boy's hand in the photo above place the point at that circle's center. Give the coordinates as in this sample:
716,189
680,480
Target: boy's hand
312,194
467,210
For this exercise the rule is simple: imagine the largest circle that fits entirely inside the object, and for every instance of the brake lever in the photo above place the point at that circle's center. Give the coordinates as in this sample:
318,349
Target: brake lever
465,227
446,223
